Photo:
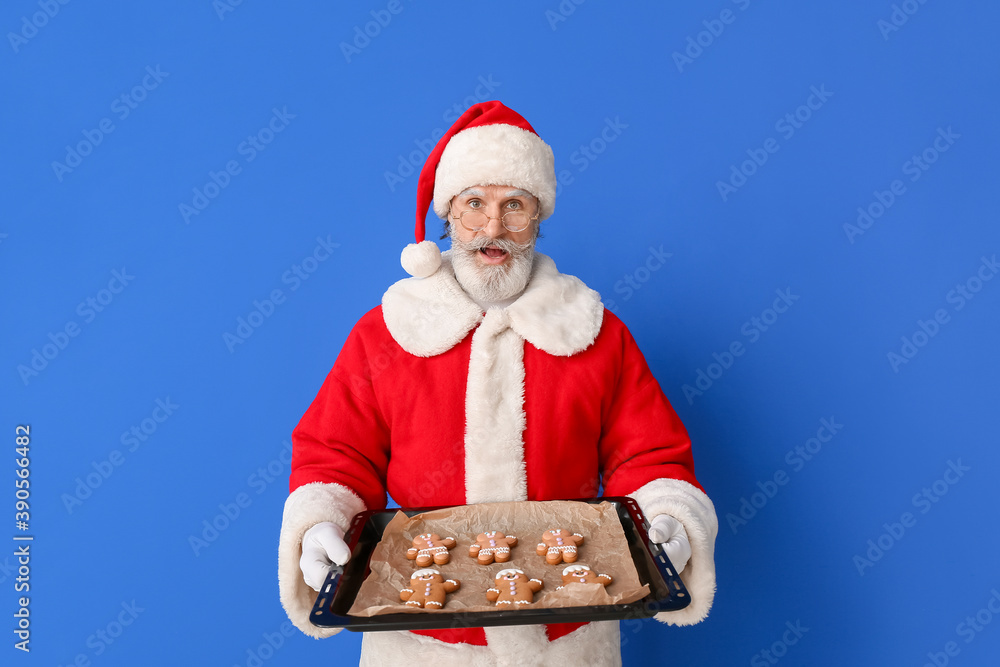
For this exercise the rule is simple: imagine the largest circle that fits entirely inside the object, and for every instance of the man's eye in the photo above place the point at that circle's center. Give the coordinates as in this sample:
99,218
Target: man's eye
475,203
514,205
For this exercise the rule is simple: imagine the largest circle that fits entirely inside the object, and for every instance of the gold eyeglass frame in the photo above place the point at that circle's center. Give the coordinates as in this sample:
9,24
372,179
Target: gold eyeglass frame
460,217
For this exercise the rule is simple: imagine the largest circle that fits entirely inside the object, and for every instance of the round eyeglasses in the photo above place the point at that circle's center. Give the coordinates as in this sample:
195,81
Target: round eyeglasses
513,221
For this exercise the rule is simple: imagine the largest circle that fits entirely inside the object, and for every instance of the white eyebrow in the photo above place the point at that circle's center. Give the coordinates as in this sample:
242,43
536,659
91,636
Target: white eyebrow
519,193
471,192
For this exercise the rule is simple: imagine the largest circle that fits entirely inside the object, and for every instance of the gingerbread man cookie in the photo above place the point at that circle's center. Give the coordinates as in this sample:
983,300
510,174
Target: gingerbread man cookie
559,546
490,545
582,574
428,548
513,589
427,589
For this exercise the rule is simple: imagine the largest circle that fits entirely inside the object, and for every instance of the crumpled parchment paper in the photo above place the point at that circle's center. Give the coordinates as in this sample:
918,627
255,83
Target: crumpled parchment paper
605,550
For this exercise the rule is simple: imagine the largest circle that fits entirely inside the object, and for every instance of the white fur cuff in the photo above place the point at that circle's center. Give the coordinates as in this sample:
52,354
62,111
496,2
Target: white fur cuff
305,507
695,511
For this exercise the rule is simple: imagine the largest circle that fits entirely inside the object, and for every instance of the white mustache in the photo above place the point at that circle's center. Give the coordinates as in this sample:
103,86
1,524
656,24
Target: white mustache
481,242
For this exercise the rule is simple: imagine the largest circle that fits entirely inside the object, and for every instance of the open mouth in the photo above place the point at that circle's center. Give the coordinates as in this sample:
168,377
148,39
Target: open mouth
492,254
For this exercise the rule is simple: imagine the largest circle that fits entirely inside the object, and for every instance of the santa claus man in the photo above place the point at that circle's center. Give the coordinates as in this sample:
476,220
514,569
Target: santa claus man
489,376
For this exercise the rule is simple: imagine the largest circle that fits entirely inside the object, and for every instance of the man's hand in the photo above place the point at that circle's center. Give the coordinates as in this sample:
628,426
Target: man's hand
322,545
668,531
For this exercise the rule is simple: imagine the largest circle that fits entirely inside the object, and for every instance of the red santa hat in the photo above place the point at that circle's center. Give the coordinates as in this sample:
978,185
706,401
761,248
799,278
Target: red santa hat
489,145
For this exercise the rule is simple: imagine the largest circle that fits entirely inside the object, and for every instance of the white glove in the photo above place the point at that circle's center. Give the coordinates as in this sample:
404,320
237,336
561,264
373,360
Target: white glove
322,545
669,532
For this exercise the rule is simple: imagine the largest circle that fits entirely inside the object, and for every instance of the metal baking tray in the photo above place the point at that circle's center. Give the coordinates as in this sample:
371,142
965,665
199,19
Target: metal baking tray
667,591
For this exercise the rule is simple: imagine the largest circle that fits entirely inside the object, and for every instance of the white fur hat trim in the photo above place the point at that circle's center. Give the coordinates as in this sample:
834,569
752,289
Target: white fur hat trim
496,154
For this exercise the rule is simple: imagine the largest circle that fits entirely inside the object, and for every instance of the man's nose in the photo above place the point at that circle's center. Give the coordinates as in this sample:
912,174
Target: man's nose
494,226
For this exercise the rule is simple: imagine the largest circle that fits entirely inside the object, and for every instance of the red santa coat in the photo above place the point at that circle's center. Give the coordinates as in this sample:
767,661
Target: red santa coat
439,403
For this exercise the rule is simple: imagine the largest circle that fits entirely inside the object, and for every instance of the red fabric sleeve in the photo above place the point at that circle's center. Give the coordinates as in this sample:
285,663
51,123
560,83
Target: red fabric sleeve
343,437
642,438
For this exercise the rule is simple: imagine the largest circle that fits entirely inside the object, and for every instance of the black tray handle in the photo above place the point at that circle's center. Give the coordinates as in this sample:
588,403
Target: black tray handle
678,591
328,590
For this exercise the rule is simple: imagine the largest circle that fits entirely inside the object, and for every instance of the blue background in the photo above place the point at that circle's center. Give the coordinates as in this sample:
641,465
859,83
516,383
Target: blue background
338,171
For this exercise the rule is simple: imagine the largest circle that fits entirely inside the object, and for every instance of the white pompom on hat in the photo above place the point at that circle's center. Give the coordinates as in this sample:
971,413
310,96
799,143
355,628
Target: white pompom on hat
421,259
489,144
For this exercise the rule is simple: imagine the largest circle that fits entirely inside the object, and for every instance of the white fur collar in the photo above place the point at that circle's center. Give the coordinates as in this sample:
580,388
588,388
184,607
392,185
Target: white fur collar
557,313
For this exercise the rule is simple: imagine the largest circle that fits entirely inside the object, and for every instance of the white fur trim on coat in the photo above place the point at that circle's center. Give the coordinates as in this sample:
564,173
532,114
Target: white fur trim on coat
305,507
556,313
594,645
497,154
494,414
429,316
696,512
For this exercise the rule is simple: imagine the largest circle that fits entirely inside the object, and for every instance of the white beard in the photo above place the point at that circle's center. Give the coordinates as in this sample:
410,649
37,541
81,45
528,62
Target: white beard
492,283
